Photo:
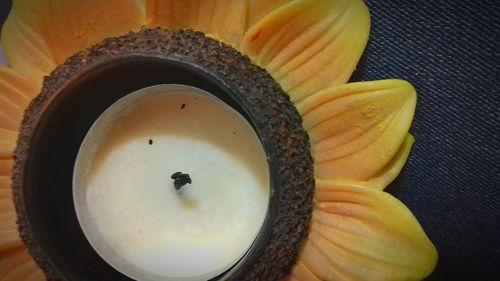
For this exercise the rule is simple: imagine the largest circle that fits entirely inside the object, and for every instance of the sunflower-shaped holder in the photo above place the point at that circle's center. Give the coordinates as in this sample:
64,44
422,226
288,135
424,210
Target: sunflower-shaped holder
201,140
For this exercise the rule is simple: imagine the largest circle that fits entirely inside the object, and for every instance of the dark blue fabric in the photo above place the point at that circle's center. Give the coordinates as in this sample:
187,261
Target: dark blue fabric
450,51
4,9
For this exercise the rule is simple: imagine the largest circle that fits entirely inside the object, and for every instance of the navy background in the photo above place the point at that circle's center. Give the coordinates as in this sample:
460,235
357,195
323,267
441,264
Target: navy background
450,52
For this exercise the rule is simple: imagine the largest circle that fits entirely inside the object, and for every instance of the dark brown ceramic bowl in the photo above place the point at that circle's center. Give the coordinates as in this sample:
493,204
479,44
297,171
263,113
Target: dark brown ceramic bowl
75,95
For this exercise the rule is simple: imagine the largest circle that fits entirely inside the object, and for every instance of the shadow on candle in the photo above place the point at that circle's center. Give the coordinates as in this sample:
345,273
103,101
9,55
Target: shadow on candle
188,203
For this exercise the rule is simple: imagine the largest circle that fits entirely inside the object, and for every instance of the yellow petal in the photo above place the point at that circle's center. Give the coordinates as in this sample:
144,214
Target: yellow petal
222,19
9,237
25,48
16,92
7,143
385,176
257,9
13,81
8,135
18,265
360,233
357,129
5,192
69,26
6,149
5,167
308,45
6,205
301,273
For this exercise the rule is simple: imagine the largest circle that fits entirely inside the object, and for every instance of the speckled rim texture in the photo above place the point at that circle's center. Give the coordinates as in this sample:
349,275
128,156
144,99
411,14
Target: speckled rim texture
261,101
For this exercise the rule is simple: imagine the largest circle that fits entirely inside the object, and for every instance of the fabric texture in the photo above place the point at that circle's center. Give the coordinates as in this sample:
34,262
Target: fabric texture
450,52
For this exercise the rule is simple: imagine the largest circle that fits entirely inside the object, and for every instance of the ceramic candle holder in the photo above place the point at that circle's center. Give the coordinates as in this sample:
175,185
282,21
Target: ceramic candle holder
80,90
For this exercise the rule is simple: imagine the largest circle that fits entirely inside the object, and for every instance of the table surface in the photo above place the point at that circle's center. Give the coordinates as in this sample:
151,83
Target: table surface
450,52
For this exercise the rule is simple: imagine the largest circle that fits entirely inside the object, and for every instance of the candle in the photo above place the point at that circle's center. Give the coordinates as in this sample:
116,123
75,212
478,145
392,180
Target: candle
171,183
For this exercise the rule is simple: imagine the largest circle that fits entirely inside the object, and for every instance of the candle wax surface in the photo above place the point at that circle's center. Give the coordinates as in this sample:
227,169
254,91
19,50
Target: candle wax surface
125,198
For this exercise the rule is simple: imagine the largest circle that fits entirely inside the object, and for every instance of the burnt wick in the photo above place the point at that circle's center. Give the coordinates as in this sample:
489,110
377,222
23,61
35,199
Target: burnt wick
180,180
150,142
183,106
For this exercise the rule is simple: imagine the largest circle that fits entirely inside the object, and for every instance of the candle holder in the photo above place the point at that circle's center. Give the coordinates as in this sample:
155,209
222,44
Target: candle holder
82,88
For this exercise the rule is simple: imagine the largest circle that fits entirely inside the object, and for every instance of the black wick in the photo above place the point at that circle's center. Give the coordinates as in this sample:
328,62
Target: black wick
180,180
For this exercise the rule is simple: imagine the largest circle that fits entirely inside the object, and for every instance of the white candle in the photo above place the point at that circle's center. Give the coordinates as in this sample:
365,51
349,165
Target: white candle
125,198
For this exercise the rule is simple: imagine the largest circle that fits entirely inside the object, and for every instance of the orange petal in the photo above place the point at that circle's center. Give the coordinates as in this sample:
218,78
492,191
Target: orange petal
6,149
302,273
222,19
360,233
17,265
16,92
69,26
5,167
8,135
9,237
24,46
13,83
5,192
7,143
6,206
358,129
385,176
258,9
308,45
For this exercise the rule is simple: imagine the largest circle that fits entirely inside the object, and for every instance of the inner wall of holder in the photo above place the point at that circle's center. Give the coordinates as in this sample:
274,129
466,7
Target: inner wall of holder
58,137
